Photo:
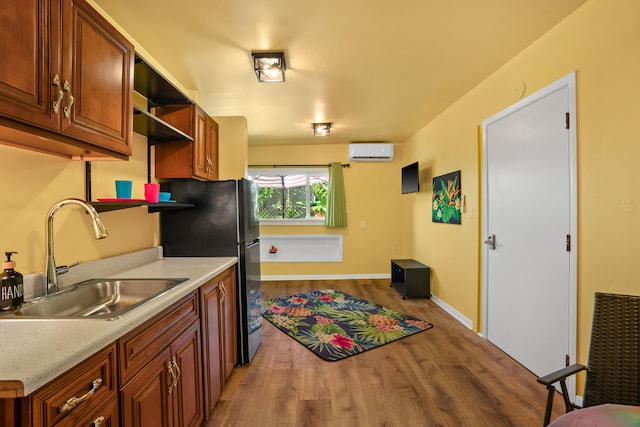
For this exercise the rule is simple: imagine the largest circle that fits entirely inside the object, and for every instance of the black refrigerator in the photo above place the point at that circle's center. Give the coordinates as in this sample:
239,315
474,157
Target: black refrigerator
224,222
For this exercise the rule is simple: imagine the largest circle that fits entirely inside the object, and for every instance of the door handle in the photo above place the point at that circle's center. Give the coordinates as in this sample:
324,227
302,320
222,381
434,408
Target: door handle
491,242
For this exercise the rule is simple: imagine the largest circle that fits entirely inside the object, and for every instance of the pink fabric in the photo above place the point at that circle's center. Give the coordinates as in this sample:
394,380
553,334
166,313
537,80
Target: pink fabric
601,416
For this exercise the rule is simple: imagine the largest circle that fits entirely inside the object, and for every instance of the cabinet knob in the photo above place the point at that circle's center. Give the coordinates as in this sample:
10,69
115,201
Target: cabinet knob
98,421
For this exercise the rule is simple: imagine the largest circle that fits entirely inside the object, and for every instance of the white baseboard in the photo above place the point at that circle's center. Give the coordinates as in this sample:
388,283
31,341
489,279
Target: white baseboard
453,312
327,277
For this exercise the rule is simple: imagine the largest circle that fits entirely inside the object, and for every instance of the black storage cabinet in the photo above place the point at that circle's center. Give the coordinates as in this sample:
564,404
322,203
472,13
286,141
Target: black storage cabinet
411,278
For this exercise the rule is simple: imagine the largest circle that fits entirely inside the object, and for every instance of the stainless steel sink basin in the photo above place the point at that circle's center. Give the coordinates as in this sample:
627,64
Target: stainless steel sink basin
97,299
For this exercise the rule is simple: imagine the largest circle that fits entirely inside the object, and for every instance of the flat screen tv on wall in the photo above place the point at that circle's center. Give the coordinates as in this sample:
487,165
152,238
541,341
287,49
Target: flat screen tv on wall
411,178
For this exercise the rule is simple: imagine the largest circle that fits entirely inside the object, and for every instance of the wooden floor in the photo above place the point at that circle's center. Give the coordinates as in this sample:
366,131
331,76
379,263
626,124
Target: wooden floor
446,376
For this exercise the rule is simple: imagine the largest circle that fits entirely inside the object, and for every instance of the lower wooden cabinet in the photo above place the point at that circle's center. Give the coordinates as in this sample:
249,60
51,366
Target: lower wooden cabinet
78,394
167,372
211,320
229,312
145,399
187,391
168,390
219,347
106,416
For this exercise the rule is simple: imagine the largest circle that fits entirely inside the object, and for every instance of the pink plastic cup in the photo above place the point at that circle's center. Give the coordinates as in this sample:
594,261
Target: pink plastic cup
151,192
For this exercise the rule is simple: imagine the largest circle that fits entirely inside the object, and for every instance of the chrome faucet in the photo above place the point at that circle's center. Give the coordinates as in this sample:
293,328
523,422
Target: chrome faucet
98,229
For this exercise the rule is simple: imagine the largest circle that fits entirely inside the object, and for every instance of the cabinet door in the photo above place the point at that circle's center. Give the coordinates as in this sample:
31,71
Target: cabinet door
212,156
107,416
28,28
201,145
97,79
228,283
211,348
146,400
187,394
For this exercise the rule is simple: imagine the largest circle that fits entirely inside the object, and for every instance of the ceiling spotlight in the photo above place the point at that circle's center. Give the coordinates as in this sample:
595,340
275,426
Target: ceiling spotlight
321,129
269,66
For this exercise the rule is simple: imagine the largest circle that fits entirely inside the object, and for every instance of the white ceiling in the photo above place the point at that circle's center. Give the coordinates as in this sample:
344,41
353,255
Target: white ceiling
379,70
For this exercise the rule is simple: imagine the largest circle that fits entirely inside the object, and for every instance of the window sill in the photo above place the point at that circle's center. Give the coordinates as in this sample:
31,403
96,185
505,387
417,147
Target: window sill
268,222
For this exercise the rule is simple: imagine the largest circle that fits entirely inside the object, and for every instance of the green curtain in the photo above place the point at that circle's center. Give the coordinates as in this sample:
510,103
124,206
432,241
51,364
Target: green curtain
336,216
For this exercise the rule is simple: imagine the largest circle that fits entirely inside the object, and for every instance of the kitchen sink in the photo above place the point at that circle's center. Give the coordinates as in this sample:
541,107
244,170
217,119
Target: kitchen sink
97,299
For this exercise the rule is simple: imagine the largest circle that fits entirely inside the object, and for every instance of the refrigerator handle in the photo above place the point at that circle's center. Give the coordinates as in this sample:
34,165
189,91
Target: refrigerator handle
255,242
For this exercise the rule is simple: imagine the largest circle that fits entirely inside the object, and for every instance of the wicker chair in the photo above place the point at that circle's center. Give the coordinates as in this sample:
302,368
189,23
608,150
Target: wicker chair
613,371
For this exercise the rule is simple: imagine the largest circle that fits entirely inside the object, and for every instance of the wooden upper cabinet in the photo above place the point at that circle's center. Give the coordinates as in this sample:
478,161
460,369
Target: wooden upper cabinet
67,85
212,128
188,159
98,64
201,144
26,77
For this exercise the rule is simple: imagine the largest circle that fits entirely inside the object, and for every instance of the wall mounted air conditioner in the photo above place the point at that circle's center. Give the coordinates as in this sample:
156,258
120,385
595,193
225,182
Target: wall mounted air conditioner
370,152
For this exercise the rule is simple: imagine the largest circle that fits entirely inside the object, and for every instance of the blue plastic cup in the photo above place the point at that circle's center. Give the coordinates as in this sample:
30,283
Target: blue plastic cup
123,189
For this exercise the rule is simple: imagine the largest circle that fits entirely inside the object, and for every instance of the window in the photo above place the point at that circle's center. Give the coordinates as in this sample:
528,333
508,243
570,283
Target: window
291,195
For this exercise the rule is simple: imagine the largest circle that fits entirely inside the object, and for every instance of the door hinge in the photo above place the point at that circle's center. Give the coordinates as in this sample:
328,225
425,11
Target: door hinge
568,243
566,118
567,361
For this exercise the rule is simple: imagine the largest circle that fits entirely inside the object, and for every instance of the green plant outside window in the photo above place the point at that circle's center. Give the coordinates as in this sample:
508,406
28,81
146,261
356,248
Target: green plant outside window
291,196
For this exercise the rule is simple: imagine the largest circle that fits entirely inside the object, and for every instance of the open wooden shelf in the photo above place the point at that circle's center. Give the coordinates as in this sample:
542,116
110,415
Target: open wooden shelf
152,207
156,130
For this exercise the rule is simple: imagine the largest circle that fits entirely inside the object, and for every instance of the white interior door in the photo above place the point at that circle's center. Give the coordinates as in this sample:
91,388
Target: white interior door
529,205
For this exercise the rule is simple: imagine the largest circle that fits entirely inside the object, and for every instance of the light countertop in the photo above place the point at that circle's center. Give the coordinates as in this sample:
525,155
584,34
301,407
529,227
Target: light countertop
36,351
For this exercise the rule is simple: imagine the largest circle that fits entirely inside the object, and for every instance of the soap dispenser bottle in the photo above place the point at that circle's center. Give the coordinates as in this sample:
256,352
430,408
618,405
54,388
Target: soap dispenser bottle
11,287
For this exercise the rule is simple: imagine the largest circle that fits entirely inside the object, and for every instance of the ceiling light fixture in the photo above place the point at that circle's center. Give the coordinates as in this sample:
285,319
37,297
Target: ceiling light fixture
321,129
269,66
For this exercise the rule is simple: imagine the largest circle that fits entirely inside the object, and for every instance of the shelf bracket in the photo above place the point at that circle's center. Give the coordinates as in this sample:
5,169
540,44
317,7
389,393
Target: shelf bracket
87,181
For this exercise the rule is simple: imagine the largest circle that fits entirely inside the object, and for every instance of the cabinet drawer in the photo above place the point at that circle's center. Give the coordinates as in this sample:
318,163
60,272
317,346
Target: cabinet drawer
106,416
77,392
140,346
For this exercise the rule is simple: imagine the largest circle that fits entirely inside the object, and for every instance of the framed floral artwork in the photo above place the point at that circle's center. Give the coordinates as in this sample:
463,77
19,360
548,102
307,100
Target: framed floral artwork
446,199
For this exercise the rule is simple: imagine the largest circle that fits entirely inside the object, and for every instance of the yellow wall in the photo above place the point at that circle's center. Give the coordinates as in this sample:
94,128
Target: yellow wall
33,182
599,41
373,202
232,147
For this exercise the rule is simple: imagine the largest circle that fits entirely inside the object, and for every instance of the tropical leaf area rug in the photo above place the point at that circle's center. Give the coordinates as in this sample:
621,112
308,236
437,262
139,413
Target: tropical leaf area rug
335,325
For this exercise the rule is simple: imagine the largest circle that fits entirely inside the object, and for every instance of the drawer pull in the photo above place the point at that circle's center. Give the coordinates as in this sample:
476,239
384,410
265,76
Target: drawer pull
223,293
75,401
175,365
56,103
174,379
98,421
67,88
